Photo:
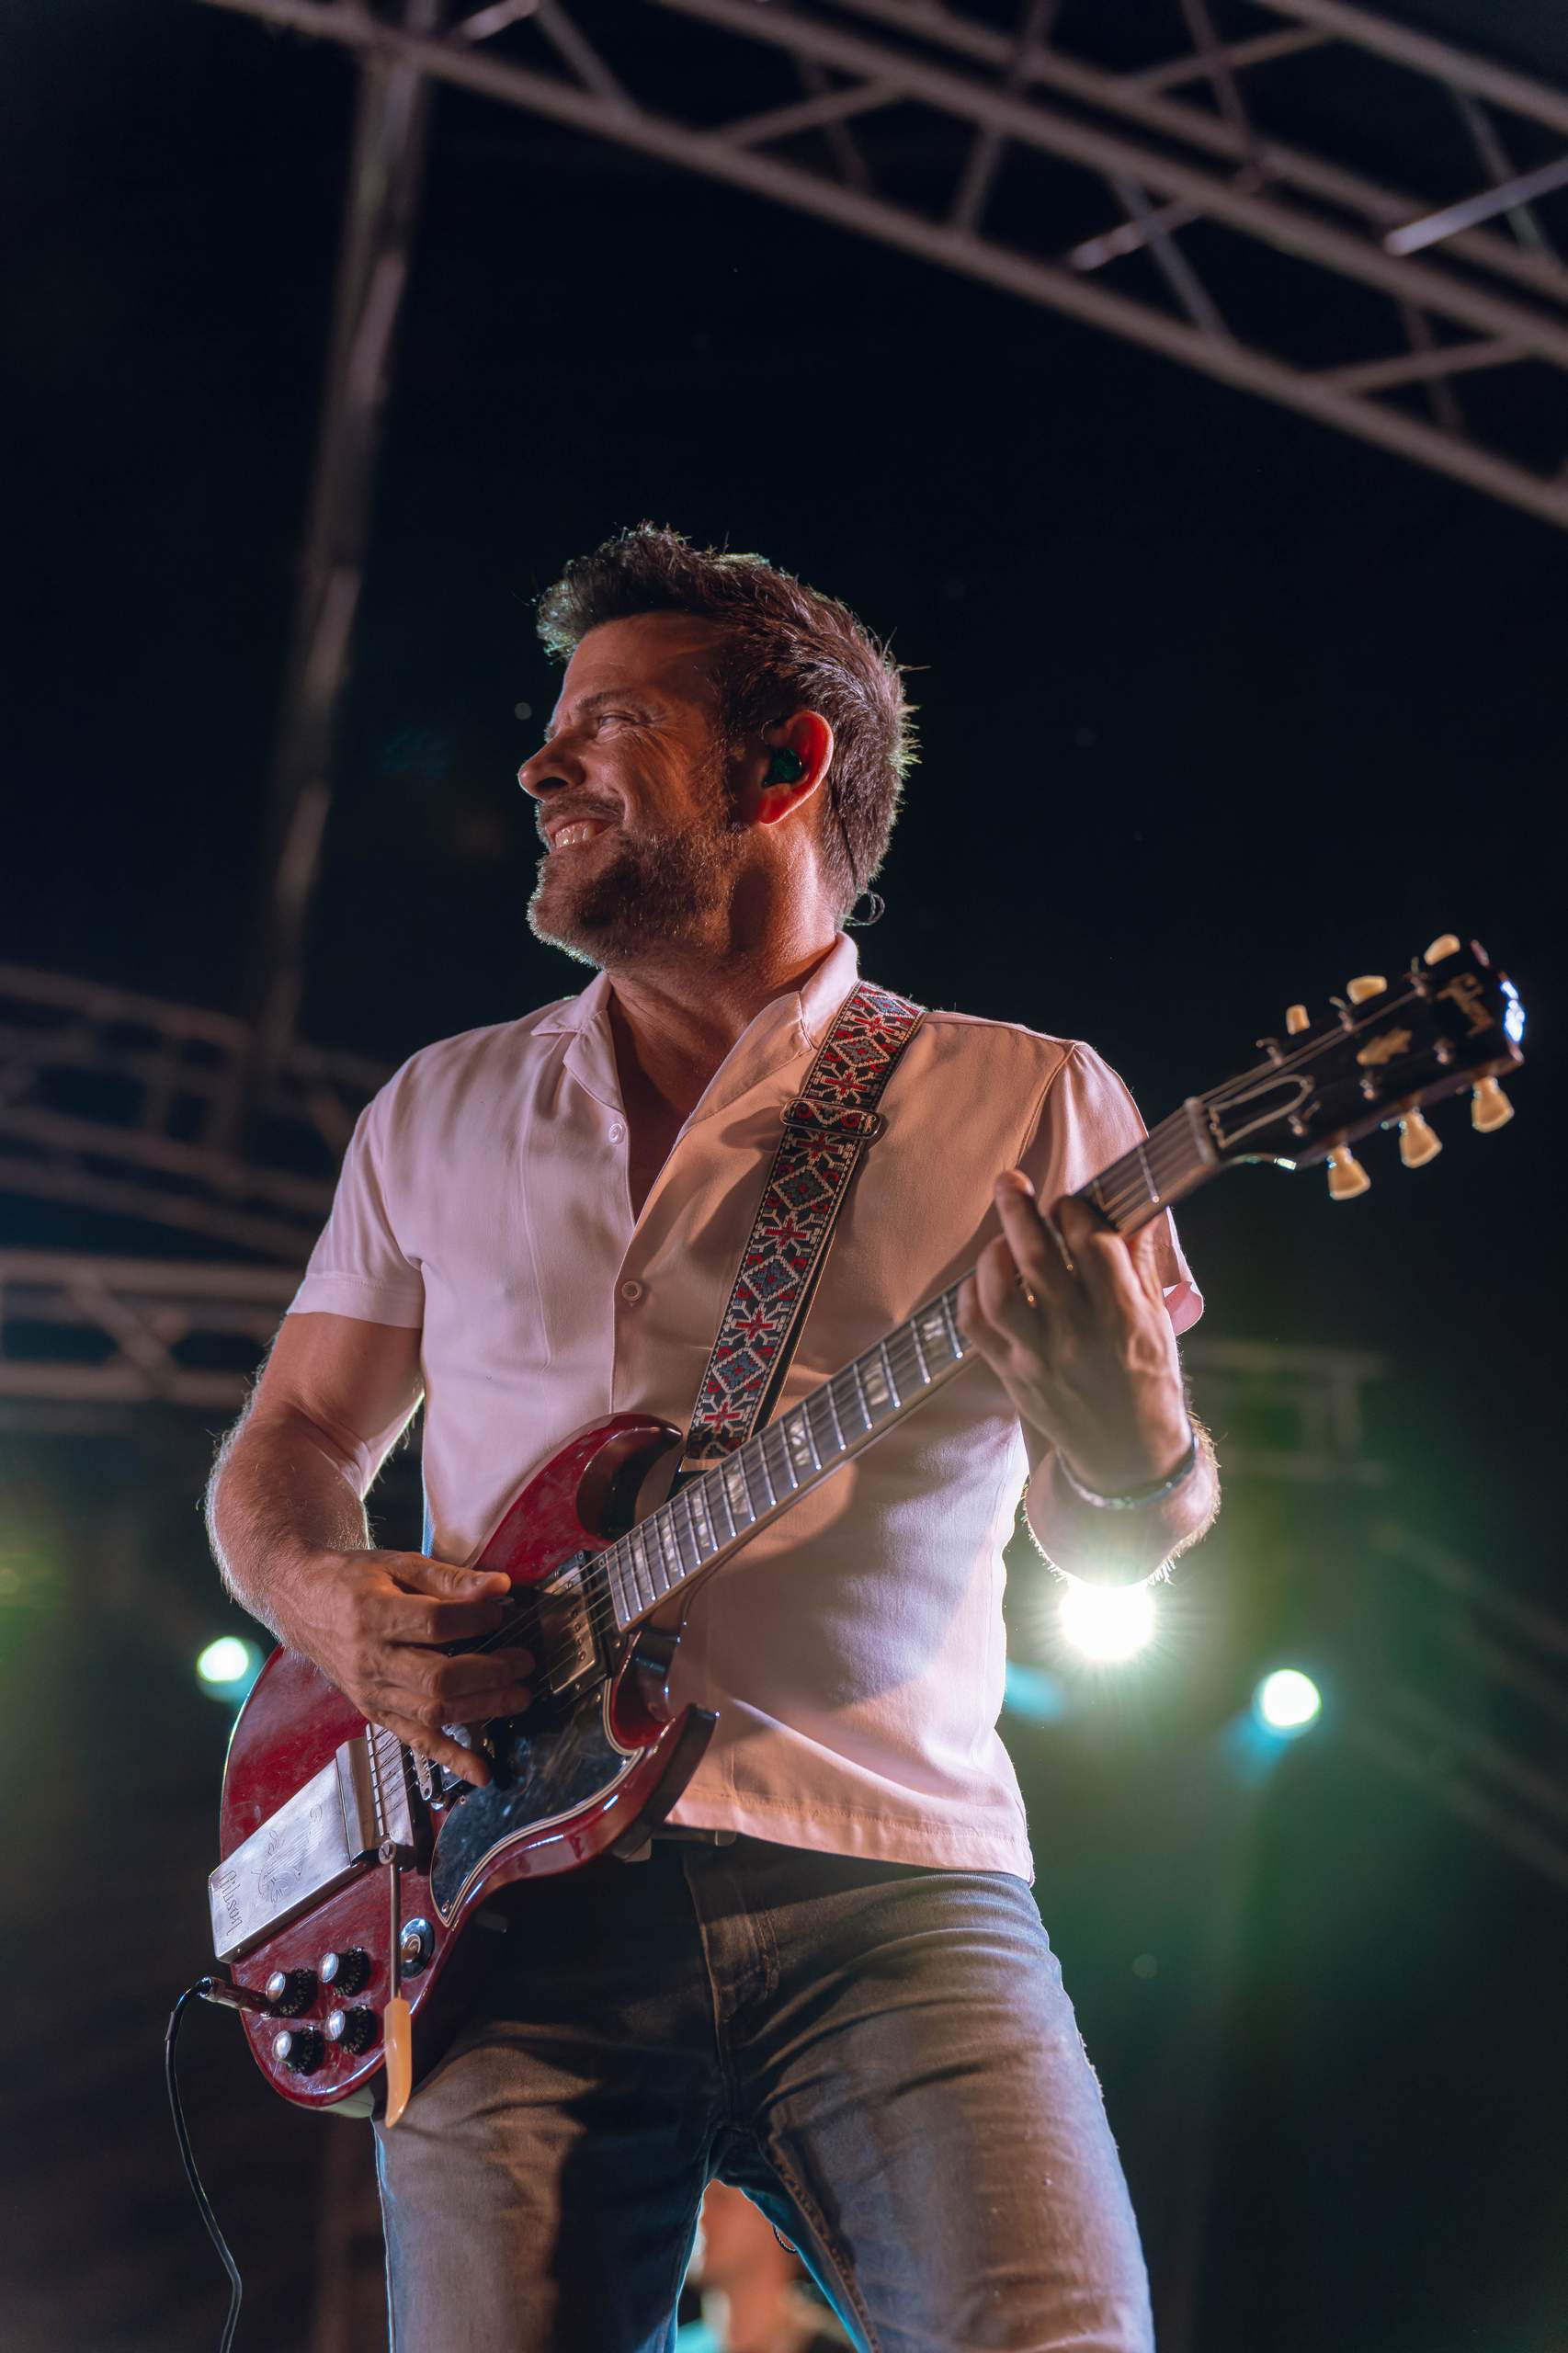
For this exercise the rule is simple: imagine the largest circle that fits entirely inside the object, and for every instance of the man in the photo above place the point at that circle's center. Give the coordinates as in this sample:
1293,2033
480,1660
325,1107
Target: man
748,2278
829,1987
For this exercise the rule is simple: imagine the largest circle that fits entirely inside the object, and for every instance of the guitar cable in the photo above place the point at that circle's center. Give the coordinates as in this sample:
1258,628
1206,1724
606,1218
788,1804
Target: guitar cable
204,1988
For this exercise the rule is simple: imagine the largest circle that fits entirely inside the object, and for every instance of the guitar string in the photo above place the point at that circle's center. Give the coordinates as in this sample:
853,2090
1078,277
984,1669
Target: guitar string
1159,1153
900,1348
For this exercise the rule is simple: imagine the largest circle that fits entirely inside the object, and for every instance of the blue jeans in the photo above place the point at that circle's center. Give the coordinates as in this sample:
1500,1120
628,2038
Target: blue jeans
881,2056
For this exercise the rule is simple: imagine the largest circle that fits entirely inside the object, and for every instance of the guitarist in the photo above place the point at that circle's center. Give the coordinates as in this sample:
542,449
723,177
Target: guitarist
827,1983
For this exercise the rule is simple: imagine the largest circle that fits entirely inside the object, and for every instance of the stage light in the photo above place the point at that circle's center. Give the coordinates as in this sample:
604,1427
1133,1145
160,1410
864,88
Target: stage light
1108,1622
228,1667
1287,1702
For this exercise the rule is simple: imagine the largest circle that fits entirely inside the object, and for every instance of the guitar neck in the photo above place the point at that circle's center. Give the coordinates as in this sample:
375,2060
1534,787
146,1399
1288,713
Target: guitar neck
715,1511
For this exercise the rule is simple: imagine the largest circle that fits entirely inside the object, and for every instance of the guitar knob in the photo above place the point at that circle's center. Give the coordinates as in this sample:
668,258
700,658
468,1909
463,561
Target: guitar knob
1489,1106
1295,1020
355,2029
300,2048
1369,984
1418,1142
1447,946
290,1990
346,1971
1346,1177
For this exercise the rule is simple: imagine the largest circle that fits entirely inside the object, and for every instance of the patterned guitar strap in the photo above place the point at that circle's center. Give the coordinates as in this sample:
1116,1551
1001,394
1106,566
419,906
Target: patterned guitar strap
827,1128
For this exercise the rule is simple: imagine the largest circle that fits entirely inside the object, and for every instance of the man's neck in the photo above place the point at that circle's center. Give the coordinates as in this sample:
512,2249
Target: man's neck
674,1022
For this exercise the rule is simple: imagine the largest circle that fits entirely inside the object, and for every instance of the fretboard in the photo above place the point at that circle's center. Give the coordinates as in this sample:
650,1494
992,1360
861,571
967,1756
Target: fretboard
718,1508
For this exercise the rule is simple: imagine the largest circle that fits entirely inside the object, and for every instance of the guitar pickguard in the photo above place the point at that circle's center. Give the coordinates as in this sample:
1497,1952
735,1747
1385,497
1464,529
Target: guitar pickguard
554,1760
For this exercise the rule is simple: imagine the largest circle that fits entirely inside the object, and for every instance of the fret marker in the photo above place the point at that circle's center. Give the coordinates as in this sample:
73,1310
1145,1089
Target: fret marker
798,1437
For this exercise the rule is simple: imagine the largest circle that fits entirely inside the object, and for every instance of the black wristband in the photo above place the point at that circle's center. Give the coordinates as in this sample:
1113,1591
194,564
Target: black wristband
1134,1498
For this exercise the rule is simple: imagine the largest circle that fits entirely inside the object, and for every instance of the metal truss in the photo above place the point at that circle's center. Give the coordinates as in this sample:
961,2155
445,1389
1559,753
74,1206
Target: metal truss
77,1330
1155,196
1292,1414
1500,1765
116,1102
372,272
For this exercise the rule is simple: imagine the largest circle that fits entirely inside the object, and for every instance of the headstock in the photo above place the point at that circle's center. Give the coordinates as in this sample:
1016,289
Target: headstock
1387,1051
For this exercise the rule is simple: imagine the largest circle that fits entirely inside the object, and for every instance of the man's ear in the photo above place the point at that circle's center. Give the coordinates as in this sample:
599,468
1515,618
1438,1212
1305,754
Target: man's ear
792,766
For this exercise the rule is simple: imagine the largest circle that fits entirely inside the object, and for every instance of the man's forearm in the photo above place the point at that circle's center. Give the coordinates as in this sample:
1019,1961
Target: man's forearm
1121,1546
279,1496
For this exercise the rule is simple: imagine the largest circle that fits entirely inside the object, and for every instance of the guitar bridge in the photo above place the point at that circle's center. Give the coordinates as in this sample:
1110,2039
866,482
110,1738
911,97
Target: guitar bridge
317,1840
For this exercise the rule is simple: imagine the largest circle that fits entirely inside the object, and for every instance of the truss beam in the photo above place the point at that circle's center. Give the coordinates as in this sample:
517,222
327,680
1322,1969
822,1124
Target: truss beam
388,148
109,1099
1459,69
1490,314
1121,95
1109,153
124,1329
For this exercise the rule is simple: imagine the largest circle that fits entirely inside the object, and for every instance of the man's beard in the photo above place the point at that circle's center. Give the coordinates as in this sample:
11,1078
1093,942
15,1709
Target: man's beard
652,890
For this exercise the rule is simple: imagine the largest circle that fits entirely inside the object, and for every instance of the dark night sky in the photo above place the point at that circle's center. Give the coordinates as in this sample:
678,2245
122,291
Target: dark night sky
1218,708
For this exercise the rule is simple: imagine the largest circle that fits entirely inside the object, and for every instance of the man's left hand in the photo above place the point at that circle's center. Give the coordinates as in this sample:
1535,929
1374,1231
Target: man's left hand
1091,1365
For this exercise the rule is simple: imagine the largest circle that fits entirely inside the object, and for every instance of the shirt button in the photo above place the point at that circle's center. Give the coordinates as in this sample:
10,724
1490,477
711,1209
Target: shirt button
616,1130
632,1292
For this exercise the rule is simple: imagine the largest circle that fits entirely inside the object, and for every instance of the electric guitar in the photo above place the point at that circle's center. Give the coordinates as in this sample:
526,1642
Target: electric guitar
351,1865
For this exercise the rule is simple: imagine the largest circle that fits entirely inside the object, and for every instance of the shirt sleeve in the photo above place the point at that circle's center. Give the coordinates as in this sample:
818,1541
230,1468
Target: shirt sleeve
358,1267
1086,1120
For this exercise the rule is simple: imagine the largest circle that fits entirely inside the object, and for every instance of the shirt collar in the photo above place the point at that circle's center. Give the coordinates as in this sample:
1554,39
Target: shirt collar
789,1024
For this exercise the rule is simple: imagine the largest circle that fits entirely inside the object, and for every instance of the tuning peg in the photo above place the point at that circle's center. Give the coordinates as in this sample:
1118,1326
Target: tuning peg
1418,1142
1369,984
1489,1106
1447,945
1297,1019
1346,1177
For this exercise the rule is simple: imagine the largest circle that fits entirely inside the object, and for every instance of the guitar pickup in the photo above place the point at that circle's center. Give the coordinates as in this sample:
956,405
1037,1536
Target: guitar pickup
564,1641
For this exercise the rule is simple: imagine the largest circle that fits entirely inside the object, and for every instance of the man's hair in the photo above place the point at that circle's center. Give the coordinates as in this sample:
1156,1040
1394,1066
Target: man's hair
785,648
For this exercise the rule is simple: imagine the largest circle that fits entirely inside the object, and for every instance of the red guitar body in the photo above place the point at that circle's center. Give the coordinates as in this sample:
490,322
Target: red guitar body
601,1756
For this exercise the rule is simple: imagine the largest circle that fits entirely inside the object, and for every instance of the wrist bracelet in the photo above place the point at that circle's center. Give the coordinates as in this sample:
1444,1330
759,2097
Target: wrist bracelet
1134,1498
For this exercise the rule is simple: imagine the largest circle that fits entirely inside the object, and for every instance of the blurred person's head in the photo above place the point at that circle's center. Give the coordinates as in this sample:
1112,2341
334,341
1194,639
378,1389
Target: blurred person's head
736,2244
756,2297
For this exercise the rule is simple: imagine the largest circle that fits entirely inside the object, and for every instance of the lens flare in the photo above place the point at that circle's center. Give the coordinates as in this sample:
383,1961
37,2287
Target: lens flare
1108,1622
227,1667
1287,1702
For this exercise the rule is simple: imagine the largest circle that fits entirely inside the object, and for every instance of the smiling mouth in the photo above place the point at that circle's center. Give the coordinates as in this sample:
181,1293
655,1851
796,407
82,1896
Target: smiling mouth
573,837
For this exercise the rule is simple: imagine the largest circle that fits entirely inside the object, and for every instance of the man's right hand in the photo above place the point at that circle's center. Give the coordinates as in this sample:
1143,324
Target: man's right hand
378,1625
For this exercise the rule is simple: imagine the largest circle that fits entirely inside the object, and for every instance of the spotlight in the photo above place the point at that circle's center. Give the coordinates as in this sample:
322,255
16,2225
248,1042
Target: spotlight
227,1668
1287,1702
1108,1622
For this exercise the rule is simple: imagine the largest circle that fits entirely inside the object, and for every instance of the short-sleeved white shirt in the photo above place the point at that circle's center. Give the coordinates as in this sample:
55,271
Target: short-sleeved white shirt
853,1649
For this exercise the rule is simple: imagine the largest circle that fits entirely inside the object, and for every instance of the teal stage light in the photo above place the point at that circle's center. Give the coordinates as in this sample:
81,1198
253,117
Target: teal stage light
1287,1703
227,1667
